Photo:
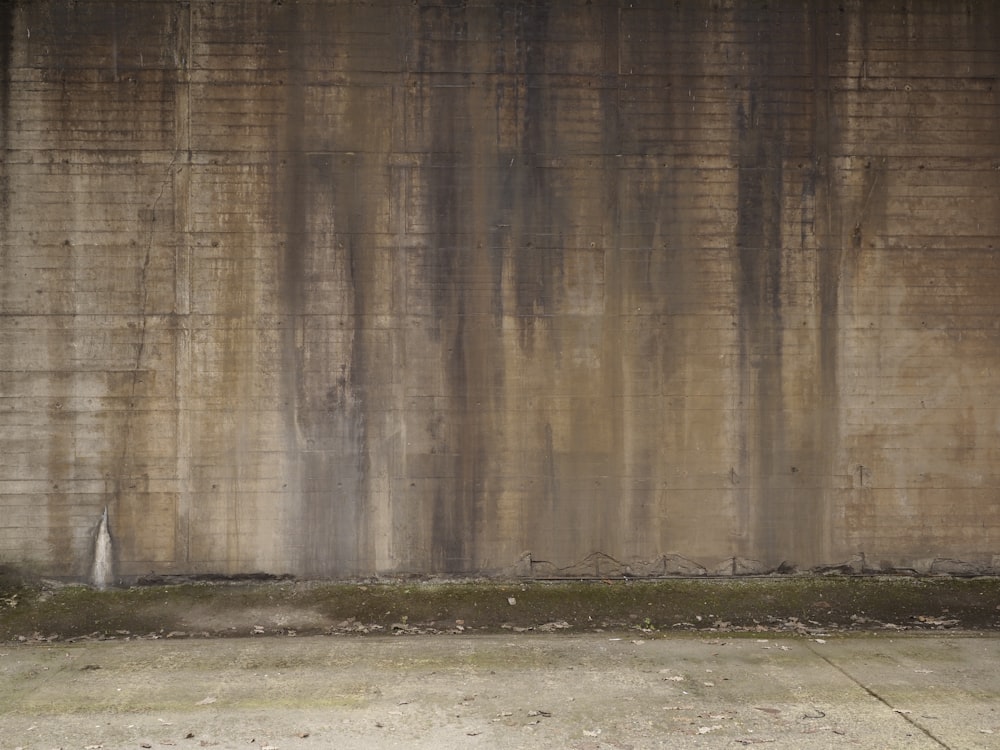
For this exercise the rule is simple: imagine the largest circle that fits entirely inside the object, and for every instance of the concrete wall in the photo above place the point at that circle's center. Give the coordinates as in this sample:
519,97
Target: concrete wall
342,288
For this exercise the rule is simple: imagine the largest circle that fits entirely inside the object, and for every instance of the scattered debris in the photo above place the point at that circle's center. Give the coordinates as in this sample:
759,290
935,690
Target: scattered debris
826,611
351,626
547,627
925,621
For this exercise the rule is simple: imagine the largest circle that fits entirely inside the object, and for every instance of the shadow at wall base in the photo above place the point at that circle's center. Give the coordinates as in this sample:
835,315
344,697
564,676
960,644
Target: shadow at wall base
13,576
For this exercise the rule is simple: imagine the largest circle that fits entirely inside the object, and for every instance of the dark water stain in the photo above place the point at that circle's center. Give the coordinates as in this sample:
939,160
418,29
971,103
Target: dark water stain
459,445
7,13
789,435
493,222
329,202
453,528
333,420
290,173
818,193
536,249
760,132
321,449
546,515
291,170
7,21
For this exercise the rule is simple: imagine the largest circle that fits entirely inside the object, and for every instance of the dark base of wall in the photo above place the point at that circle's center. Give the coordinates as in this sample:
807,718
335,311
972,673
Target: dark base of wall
599,565
798,604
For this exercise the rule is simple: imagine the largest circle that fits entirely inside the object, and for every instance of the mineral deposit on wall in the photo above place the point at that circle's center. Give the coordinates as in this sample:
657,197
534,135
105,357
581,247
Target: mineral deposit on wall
338,288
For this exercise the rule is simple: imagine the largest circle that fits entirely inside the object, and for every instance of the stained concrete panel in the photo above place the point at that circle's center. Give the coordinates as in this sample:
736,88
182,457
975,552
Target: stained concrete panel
337,289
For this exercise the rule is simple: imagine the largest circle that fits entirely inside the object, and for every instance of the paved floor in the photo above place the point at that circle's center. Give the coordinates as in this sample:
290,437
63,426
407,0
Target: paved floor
587,692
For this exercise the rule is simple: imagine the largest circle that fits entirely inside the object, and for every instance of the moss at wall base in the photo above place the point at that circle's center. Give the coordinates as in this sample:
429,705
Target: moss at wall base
806,605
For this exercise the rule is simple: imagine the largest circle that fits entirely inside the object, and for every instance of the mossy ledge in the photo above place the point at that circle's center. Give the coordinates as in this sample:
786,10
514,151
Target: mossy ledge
803,604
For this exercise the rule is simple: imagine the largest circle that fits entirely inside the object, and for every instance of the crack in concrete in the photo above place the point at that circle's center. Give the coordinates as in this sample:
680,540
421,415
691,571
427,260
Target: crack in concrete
144,270
143,320
923,730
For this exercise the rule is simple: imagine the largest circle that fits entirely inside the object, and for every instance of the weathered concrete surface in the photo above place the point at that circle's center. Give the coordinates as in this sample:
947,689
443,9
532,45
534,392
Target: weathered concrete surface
587,692
341,288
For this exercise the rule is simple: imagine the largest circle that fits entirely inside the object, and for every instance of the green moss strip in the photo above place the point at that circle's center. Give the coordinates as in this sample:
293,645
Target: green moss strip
804,604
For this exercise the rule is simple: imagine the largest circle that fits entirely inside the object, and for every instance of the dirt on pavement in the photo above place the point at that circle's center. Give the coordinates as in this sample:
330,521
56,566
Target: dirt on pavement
597,691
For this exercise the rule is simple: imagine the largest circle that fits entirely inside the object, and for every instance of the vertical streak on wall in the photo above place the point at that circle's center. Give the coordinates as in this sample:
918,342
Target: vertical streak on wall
828,246
290,200
788,277
533,252
484,426
665,261
353,221
336,380
125,473
849,190
611,388
340,272
7,21
458,449
6,53
57,342
615,501
182,288
758,267
442,544
535,213
327,206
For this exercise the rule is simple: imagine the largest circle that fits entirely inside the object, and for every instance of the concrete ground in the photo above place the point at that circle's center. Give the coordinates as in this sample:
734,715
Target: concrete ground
588,692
